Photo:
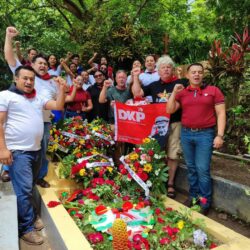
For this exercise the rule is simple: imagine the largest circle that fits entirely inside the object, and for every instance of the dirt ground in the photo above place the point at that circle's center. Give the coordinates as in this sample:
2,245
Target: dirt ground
237,171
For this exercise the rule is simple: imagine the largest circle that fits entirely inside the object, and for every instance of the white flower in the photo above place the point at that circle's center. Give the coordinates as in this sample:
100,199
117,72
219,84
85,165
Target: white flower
199,238
157,172
142,162
156,156
149,183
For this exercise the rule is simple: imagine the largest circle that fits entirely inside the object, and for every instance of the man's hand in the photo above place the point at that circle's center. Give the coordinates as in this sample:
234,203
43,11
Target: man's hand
218,142
178,88
107,83
61,83
6,157
11,32
95,54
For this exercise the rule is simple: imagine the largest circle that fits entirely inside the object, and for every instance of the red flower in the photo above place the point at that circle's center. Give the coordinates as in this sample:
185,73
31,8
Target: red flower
126,198
150,152
53,204
143,176
137,150
169,209
212,245
93,197
137,164
170,230
164,241
127,205
95,238
157,211
203,200
101,209
140,205
160,220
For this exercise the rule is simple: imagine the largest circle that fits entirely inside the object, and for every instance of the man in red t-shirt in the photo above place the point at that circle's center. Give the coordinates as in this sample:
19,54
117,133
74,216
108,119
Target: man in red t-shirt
203,109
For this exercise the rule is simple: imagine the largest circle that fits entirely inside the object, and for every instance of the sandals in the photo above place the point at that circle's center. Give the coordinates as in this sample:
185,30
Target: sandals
171,194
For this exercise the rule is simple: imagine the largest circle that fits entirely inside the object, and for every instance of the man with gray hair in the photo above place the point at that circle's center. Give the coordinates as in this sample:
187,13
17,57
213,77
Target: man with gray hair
160,91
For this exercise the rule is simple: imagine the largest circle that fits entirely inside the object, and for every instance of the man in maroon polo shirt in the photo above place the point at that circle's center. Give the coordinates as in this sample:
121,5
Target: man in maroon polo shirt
203,110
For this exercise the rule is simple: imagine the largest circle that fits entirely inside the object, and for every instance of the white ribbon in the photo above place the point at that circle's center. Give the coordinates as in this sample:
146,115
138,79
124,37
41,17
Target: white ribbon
103,137
97,164
60,147
70,135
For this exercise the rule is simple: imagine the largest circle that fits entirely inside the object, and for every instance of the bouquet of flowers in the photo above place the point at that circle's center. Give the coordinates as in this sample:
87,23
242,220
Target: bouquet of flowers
147,161
74,135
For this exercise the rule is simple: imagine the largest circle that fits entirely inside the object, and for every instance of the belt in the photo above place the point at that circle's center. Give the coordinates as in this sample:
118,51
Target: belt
197,129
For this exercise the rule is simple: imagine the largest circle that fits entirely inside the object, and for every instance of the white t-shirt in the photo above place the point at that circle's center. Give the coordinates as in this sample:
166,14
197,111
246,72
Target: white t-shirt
24,124
56,72
146,77
44,88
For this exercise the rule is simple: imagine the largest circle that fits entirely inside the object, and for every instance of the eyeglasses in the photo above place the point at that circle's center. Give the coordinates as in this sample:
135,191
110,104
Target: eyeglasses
100,75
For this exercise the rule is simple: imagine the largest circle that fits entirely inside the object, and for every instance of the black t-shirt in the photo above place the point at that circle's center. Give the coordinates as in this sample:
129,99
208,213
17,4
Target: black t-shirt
161,92
99,109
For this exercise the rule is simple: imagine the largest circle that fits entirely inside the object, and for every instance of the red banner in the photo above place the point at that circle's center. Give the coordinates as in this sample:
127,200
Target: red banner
134,123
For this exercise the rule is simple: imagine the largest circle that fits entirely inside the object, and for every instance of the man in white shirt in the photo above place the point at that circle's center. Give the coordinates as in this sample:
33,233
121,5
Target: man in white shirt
21,132
44,85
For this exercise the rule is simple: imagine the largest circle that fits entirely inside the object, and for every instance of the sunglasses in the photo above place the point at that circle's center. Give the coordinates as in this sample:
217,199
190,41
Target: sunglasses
100,75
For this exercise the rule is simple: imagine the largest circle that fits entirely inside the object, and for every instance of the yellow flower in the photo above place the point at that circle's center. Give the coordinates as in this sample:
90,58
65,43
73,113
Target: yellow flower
97,169
133,156
180,224
82,172
95,128
103,160
61,137
147,167
146,140
80,127
110,169
82,141
76,150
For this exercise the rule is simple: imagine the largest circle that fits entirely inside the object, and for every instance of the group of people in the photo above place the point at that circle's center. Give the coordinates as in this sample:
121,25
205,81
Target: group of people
197,121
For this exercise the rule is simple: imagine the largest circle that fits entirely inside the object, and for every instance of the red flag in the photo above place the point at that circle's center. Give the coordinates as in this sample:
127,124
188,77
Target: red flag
134,123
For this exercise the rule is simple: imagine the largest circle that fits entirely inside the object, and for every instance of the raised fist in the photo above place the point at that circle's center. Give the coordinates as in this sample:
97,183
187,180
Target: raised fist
11,32
107,83
136,71
178,88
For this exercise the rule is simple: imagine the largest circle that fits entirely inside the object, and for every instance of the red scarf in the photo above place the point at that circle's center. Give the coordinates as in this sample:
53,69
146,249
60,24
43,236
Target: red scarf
198,89
173,78
45,77
30,95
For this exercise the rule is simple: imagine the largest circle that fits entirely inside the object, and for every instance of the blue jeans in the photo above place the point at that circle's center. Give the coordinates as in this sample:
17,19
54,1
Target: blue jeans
197,148
44,144
23,173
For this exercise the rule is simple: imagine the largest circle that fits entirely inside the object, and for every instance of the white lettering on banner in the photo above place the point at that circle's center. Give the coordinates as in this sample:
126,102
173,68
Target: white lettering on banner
131,115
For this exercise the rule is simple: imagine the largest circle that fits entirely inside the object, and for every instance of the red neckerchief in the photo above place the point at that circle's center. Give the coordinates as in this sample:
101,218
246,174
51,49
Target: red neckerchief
30,95
173,78
45,77
198,89
139,98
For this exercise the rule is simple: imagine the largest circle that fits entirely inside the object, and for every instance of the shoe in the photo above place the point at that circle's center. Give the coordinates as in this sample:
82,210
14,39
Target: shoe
38,224
171,194
5,176
43,183
32,238
204,211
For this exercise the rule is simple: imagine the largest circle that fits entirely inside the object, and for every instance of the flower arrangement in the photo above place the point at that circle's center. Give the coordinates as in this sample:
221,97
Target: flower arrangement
75,136
149,225
147,161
